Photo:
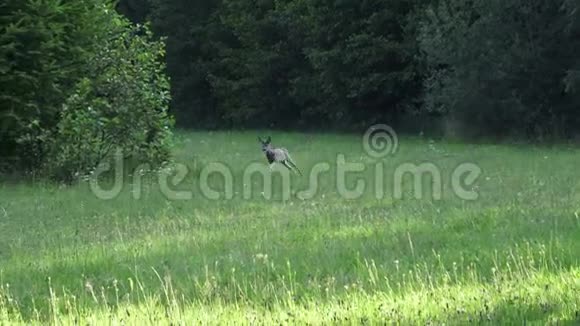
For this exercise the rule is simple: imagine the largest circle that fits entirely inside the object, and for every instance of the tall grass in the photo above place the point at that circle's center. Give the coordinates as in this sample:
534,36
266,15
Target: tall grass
511,256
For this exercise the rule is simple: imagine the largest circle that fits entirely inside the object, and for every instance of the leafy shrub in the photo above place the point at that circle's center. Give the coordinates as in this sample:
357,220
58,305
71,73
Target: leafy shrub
82,81
122,106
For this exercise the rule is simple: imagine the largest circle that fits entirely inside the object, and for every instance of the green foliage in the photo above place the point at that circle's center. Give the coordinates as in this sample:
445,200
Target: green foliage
508,258
191,39
78,80
122,107
289,63
501,67
40,53
136,10
256,64
497,67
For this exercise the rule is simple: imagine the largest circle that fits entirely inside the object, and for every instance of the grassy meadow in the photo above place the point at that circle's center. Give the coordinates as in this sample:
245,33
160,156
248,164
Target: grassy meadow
511,256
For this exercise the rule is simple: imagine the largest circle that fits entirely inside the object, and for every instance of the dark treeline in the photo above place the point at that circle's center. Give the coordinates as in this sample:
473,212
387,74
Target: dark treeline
288,64
490,68
80,78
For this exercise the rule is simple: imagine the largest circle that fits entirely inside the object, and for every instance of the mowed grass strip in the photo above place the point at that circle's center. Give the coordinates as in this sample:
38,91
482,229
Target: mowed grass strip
512,255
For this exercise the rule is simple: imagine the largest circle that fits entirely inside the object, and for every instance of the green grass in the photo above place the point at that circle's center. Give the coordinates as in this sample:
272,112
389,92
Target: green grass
511,256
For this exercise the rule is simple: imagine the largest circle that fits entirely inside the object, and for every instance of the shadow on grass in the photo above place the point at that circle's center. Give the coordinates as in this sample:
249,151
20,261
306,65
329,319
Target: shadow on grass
520,312
306,256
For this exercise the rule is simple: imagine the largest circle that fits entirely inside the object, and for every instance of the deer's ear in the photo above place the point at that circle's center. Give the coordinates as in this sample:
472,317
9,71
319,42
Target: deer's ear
269,140
260,140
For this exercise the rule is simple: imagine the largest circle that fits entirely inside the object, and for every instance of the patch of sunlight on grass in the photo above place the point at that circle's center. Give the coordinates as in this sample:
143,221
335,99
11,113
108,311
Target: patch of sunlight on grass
510,256
541,297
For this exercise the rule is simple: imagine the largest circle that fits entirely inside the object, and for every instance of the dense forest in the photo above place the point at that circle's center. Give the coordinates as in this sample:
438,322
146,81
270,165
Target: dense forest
496,67
79,78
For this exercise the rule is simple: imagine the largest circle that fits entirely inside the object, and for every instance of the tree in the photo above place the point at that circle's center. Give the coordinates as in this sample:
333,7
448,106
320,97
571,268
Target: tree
190,37
303,62
121,103
256,64
41,51
499,67
363,55
137,11
72,70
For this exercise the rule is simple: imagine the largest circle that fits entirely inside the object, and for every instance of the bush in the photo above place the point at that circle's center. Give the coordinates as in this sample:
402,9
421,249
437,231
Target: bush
81,81
122,106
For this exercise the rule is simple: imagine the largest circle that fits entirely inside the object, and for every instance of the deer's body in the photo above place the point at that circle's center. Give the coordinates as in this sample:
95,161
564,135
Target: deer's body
278,155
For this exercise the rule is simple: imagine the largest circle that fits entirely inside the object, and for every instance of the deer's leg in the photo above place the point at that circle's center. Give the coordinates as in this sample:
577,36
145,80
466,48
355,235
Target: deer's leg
287,165
294,167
